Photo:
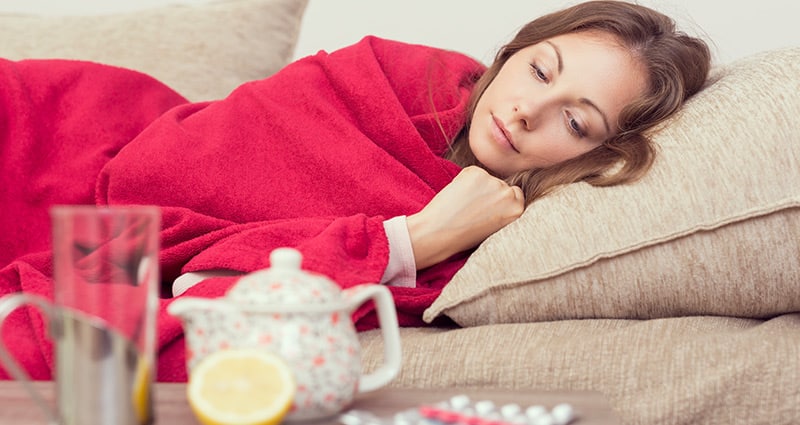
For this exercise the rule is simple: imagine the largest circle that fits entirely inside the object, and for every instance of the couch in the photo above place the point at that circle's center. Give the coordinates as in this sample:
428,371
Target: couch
676,297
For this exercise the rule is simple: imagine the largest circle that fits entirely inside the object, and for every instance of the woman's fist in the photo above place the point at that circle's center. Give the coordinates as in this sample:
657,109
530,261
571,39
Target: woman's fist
469,209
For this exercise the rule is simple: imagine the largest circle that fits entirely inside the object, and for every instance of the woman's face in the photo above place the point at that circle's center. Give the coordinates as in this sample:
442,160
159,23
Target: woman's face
554,101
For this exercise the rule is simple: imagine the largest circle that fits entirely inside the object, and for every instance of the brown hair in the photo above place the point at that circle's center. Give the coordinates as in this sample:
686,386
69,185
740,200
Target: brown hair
676,65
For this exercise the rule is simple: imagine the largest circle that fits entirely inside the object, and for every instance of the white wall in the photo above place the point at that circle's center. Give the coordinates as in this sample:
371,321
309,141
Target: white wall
734,28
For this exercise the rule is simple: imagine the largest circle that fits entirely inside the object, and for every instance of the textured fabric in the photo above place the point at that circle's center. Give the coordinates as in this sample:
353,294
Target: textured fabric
203,51
676,371
315,157
712,229
62,122
237,177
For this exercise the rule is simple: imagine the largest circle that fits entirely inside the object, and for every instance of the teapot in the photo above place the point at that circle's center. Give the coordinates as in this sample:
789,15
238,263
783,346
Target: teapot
306,319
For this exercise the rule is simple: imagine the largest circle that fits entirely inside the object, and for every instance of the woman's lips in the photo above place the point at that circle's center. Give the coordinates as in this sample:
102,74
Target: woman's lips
501,134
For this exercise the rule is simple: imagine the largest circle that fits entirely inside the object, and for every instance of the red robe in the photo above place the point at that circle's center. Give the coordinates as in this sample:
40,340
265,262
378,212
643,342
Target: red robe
315,157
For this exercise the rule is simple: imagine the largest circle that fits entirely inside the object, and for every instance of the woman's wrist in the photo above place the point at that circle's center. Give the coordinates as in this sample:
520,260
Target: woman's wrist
429,245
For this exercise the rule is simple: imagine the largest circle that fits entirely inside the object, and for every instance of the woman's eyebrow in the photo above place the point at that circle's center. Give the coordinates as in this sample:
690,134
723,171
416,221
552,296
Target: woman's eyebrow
558,55
588,102
583,100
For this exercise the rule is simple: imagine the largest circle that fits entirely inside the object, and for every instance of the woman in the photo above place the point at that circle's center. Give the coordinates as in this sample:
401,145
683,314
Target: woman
381,162
569,98
572,95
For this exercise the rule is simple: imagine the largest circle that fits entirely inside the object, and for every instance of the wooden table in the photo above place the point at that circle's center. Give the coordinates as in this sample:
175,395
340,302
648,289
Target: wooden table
16,407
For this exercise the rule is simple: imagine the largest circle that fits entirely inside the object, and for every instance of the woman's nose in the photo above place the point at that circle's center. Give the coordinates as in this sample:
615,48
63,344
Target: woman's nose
530,111
526,112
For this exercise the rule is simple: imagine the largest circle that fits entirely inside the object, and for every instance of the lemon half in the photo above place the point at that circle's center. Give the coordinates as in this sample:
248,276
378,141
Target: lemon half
241,387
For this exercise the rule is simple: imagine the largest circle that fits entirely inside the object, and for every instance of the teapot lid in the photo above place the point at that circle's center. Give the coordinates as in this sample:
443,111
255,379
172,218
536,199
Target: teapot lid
283,283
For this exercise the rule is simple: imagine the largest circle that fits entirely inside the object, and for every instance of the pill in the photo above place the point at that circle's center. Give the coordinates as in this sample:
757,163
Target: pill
510,410
459,402
483,407
534,412
348,419
563,413
401,419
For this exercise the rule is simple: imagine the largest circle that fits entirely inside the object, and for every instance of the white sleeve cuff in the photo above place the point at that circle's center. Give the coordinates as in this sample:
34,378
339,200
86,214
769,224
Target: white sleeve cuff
402,268
187,280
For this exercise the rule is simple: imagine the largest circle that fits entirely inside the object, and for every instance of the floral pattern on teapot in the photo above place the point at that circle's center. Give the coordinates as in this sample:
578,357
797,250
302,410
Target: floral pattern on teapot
304,318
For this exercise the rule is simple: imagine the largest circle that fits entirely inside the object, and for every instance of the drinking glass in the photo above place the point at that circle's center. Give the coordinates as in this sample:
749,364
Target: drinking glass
102,318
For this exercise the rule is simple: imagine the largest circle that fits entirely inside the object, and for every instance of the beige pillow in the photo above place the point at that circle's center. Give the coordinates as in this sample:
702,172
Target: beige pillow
203,51
713,229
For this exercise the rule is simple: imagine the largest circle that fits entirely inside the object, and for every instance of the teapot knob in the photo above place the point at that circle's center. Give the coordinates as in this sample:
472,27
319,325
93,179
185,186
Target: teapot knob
285,258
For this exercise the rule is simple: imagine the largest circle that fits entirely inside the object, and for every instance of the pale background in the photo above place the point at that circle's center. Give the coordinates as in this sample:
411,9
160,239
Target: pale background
733,28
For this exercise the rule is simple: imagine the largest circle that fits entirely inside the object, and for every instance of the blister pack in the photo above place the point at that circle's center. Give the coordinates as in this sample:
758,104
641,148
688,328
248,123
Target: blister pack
461,410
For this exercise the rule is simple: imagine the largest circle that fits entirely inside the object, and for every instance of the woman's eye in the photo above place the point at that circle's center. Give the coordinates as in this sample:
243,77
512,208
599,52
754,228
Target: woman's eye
538,73
575,127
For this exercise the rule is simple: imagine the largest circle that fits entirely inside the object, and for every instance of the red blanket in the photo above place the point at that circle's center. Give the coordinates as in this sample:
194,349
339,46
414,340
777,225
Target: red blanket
315,157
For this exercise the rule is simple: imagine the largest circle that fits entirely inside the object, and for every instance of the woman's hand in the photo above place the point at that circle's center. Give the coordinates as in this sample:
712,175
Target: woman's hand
469,209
